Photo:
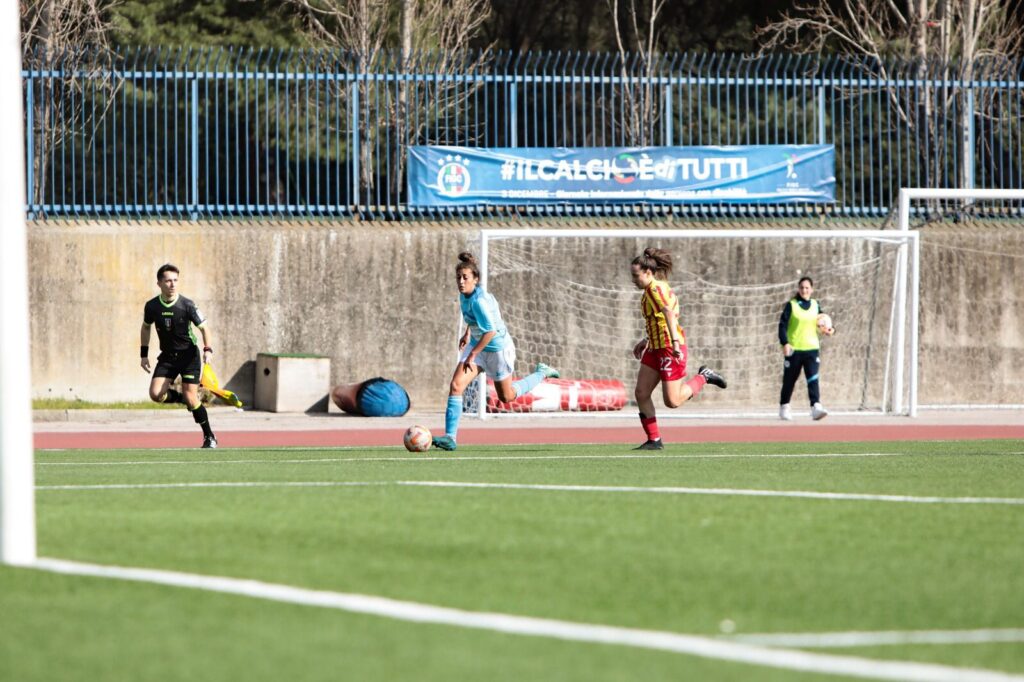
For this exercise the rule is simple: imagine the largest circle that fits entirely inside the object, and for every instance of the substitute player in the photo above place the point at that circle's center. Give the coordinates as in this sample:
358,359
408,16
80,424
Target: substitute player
798,334
174,316
486,347
662,353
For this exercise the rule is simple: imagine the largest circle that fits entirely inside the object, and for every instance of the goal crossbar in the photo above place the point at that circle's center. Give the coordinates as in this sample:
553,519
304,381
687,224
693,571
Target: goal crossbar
908,194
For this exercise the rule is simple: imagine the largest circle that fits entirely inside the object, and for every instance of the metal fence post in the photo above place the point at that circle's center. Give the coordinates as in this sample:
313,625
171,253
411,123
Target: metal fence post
354,125
194,164
30,175
514,109
969,141
821,114
667,95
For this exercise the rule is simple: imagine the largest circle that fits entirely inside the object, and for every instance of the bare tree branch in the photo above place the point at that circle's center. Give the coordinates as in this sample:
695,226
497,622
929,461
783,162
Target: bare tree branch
954,33
77,33
364,30
640,99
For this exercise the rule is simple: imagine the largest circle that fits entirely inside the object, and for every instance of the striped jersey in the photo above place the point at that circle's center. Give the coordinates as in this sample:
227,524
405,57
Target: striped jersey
657,298
481,314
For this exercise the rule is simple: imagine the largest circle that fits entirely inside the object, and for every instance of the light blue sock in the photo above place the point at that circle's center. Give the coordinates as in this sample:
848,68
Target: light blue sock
527,383
452,415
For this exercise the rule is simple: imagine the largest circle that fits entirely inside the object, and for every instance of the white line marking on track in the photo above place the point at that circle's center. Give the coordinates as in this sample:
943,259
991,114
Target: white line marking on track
334,460
665,490
885,637
705,647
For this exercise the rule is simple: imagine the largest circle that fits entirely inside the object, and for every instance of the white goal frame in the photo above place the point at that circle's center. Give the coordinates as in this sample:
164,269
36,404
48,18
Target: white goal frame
907,285
908,194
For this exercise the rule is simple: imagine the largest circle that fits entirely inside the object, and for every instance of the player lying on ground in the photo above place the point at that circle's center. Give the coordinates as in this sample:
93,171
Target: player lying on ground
662,353
486,347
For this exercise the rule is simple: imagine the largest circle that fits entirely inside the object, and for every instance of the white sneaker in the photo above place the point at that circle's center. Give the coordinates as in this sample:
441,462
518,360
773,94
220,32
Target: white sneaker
784,413
818,412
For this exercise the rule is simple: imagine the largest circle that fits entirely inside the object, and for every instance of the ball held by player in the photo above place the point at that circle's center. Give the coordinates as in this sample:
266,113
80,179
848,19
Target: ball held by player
825,325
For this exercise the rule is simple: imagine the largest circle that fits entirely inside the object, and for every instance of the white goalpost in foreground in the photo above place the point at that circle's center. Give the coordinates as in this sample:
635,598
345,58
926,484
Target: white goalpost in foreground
567,300
17,494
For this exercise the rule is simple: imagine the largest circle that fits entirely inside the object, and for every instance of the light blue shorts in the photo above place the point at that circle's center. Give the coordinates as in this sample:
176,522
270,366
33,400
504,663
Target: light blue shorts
497,364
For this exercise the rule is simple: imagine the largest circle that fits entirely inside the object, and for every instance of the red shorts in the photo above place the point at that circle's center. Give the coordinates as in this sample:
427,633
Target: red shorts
664,363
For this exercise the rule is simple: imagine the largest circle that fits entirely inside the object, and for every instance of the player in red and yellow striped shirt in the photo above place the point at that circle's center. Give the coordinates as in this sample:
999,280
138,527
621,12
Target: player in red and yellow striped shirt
662,352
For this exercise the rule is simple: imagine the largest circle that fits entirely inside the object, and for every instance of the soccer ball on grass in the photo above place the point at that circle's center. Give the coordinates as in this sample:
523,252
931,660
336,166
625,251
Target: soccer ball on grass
417,439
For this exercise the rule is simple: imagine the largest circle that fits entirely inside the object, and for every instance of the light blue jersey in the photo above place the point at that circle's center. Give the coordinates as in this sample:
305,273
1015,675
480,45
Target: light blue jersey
480,311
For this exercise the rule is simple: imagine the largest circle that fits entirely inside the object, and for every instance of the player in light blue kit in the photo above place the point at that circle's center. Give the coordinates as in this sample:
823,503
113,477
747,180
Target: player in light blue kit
485,347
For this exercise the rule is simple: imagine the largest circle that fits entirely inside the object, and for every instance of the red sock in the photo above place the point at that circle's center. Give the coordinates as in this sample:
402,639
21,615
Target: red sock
697,383
650,425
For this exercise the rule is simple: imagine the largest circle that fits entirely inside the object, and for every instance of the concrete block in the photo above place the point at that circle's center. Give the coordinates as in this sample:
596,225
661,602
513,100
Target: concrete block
291,382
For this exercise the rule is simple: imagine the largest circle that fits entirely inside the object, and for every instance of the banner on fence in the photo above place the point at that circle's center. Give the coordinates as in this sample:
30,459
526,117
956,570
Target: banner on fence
761,174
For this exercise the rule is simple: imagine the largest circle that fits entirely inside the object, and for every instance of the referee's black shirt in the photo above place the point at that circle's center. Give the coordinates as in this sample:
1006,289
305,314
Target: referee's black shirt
173,322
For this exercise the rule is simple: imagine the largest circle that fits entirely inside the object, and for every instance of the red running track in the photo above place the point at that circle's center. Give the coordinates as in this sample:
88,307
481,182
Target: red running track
817,433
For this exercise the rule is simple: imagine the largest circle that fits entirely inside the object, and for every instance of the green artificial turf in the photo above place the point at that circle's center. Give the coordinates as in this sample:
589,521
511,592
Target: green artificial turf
684,563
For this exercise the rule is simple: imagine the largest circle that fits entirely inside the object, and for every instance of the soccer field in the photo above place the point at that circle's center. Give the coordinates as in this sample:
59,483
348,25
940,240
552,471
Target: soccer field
696,559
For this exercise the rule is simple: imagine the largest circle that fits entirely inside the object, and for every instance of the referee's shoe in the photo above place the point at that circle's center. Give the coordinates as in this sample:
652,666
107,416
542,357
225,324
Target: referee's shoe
209,442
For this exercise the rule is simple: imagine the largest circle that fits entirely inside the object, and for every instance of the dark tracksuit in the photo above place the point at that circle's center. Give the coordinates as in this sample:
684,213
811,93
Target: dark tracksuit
807,360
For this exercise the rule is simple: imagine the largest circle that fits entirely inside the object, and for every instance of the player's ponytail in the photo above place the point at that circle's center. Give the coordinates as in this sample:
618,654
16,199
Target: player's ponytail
467,261
657,261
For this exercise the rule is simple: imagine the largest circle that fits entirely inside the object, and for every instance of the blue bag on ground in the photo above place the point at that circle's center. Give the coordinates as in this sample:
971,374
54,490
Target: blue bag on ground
377,397
380,397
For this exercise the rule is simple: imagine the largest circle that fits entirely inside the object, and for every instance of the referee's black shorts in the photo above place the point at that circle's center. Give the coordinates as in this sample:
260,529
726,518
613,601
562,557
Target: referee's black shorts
187,363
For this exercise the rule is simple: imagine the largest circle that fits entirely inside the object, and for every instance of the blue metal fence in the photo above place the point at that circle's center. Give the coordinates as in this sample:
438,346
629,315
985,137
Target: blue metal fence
218,132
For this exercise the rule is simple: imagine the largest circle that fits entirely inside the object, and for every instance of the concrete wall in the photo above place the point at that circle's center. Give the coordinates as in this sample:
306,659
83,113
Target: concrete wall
972,316
379,299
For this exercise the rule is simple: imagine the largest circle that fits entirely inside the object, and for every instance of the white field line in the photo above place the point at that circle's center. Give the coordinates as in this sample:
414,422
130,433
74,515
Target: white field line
804,640
220,484
725,491
500,458
705,647
669,490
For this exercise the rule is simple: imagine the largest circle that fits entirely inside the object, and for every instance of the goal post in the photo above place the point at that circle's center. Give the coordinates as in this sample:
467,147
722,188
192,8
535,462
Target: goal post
973,279
17,494
567,300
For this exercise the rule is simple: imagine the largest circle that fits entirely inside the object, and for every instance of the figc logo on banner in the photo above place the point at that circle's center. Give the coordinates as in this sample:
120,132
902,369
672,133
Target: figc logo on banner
453,178
762,174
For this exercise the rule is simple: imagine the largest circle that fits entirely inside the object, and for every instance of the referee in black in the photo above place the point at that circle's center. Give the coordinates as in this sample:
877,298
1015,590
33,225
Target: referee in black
174,316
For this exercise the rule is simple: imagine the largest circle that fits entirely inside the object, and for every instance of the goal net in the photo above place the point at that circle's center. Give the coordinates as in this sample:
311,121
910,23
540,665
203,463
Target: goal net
568,301
972,295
